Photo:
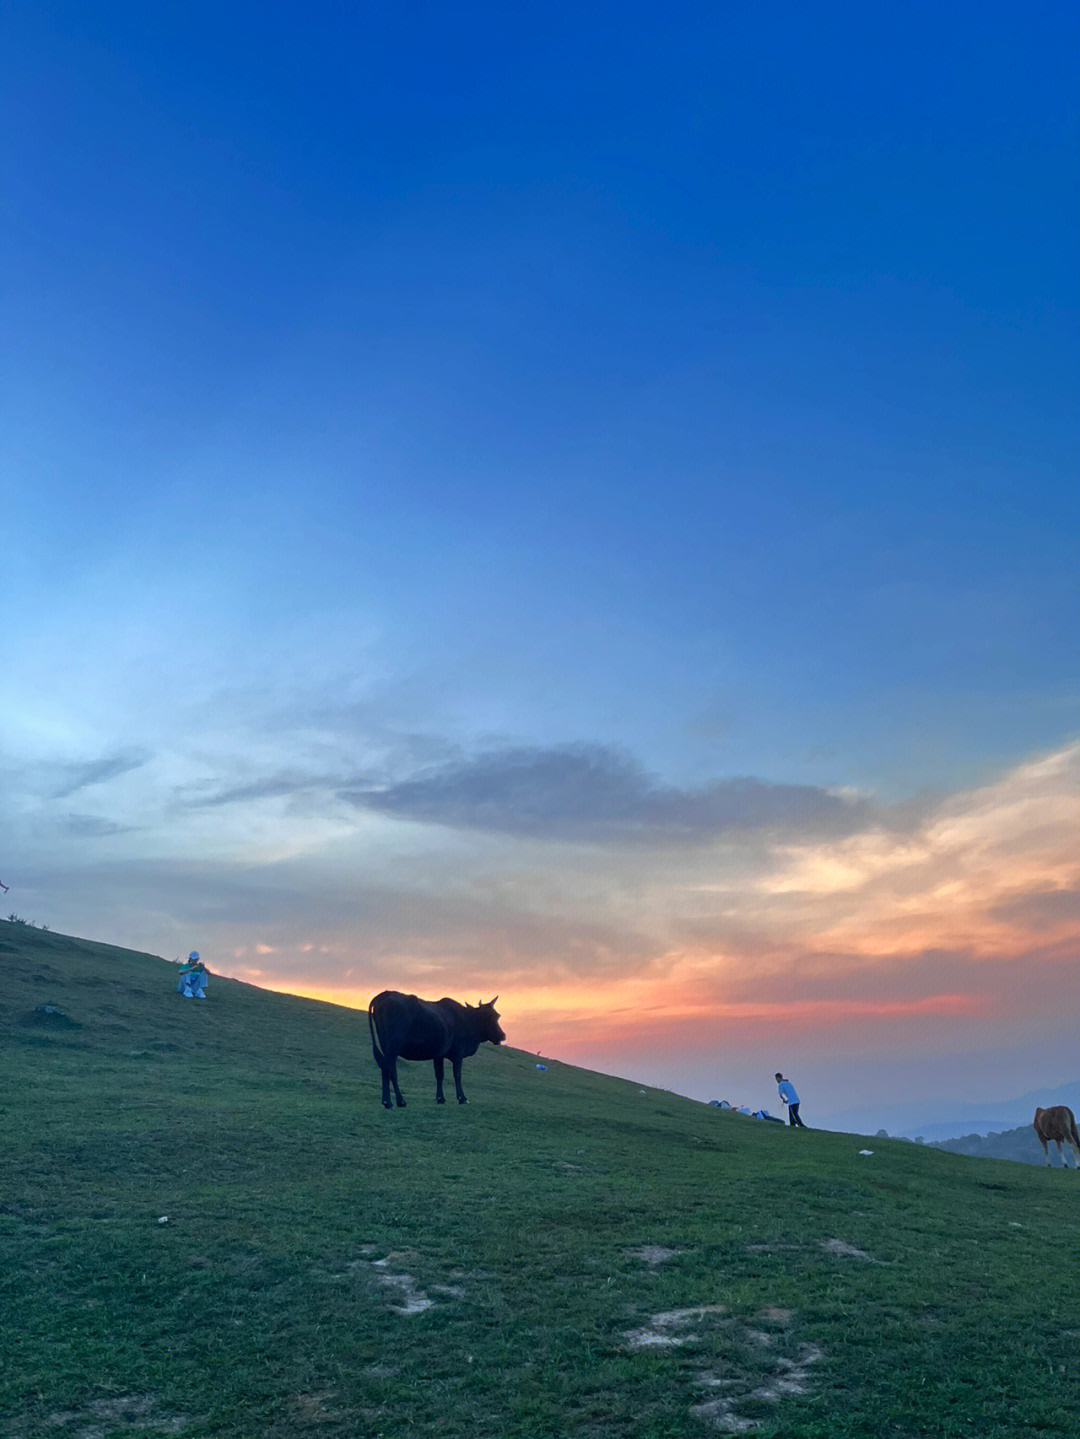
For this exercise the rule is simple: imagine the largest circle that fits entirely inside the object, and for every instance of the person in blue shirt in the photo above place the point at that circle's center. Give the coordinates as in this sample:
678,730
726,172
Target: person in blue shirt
791,1099
192,981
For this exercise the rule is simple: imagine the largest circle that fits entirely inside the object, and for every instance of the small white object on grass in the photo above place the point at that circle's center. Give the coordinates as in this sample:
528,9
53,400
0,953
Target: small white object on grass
164,1219
866,1151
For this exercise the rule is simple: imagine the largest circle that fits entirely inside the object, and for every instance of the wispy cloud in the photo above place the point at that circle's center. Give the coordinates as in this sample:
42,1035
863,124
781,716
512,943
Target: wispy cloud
597,794
83,774
91,826
271,787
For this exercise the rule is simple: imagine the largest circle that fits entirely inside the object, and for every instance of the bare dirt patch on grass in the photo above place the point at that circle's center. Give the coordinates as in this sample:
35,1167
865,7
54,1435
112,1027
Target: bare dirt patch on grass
411,1299
311,1409
752,1379
129,1412
662,1330
654,1254
787,1377
838,1246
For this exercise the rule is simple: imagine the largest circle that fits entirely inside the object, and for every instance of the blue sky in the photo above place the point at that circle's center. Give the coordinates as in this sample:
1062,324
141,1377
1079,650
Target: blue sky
474,480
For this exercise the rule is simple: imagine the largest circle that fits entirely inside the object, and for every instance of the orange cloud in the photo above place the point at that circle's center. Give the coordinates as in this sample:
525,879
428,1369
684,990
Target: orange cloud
972,877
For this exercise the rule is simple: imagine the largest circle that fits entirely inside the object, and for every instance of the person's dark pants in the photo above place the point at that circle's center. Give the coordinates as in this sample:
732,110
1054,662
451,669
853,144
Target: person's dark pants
793,1117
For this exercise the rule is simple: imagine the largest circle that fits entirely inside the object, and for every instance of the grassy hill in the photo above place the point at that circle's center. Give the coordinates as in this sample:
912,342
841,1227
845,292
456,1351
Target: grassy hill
210,1226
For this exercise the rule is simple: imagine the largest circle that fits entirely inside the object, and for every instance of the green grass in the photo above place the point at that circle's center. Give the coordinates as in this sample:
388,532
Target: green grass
302,1217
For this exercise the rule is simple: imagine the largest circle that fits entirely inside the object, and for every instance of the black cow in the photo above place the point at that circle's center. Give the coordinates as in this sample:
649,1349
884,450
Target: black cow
404,1027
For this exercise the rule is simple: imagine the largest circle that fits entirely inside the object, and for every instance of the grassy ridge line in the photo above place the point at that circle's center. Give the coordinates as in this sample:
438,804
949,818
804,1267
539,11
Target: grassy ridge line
328,1267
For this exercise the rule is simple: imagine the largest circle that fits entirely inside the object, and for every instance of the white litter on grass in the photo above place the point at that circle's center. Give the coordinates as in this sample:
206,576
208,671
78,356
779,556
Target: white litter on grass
866,1151
164,1219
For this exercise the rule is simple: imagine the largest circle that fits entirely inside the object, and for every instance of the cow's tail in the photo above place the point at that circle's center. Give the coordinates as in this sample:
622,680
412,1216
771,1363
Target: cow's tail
376,1045
1075,1136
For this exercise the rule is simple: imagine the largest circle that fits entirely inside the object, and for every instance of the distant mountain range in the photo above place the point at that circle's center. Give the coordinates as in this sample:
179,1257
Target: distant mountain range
1019,1144
999,1119
996,1117
949,1129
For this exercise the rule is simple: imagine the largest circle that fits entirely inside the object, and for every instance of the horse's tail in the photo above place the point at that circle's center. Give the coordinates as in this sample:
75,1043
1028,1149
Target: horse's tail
376,1045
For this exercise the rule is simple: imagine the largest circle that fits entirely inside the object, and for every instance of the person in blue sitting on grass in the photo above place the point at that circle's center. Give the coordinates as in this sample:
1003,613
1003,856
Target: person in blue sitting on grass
791,1099
192,981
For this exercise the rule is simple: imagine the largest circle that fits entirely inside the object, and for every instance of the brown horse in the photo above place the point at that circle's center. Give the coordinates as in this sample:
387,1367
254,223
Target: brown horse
1057,1124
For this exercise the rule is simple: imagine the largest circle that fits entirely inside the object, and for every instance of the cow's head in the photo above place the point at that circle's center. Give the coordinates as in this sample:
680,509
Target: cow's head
489,1027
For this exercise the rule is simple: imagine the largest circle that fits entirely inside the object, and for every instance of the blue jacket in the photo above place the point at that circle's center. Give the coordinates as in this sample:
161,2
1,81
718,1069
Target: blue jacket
787,1092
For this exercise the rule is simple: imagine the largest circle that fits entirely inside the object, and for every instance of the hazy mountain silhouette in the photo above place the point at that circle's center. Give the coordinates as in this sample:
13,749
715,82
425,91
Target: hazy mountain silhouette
933,1123
1017,1144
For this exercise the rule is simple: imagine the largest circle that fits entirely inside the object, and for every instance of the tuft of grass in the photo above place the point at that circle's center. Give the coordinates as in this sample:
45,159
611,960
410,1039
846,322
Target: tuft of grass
210,1226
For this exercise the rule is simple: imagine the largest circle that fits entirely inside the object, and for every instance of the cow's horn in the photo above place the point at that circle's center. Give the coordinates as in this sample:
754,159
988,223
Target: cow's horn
492,1001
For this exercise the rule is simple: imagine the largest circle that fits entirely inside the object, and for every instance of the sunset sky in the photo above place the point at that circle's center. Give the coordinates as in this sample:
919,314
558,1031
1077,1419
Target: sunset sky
577,502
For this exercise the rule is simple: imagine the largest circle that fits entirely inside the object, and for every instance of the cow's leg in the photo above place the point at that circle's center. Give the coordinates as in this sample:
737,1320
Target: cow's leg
398,1096
384,1070
440,1097
457,1081
1046,1152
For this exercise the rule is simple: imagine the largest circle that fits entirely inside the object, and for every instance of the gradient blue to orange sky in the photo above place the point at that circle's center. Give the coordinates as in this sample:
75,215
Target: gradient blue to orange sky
575,501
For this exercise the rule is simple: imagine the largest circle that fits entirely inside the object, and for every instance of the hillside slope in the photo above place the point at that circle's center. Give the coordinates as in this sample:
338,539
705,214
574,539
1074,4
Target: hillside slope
210,1226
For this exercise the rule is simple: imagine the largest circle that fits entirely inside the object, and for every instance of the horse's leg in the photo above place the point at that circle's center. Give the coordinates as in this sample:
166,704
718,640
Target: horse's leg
440,1098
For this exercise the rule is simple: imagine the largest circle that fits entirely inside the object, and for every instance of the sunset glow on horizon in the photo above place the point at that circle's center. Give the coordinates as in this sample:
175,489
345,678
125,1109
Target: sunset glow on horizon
854,941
